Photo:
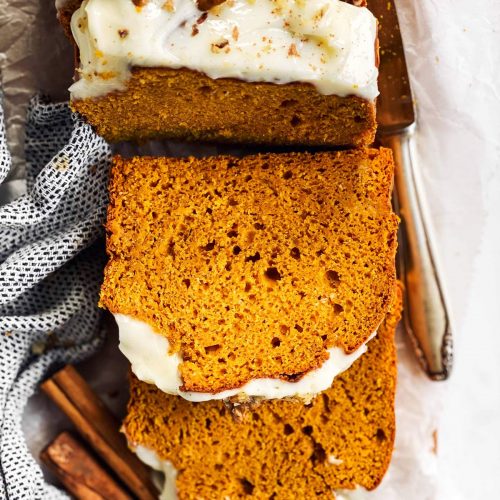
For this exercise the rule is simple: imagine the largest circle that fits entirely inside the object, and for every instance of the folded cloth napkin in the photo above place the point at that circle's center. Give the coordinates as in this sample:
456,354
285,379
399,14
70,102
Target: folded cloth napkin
50,273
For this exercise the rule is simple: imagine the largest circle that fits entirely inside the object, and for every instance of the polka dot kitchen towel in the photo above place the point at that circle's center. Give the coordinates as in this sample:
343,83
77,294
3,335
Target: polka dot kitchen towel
50,273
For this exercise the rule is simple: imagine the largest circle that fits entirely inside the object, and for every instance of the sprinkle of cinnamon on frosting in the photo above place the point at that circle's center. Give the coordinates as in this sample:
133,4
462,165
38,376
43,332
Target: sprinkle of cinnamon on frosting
292,51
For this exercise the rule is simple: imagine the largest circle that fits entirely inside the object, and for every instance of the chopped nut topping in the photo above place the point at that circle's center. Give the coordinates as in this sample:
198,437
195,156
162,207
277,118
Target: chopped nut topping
169,6
219,46
140,3
292,51
235,33
208,4
123,33
202,18
194,30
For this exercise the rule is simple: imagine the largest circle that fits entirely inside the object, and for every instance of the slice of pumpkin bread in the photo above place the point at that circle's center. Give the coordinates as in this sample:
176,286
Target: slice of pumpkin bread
279,449
252,268
266,72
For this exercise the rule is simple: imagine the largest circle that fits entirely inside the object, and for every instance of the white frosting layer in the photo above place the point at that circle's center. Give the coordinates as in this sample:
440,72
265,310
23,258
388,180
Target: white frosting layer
359,493
149,457
148,353
328,43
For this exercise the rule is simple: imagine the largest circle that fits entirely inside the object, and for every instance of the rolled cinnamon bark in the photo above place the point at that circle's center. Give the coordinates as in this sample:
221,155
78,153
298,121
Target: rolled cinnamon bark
100,428
79,472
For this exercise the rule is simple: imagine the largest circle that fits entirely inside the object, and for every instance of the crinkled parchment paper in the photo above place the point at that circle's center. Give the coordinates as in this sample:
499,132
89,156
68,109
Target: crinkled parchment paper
453,56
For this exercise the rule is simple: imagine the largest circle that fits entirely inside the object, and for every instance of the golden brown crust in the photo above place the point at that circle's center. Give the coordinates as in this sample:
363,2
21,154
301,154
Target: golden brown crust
64,14
253,267
280,449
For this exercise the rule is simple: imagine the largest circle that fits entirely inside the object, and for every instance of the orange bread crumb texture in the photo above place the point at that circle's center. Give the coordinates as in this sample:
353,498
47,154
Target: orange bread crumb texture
252,267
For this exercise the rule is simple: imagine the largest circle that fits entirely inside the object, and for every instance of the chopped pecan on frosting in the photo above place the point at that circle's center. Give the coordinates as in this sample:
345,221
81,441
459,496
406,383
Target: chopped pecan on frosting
208,4
139,3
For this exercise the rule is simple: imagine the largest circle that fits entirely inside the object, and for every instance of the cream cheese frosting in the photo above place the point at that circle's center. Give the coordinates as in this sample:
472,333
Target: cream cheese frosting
151,458
359,493
328,43
149,354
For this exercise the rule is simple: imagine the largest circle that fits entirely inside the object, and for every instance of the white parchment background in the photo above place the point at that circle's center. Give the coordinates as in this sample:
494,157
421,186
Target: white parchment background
453,51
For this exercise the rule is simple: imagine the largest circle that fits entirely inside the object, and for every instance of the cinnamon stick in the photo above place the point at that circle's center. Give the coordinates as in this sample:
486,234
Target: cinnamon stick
79,472
100,428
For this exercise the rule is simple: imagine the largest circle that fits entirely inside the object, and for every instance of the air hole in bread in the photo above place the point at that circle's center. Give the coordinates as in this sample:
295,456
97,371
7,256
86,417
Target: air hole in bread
287,103
170,250
299,328
295,121
272,273
380,435
318,455
236,250
212,348
326,401
232,233
187,282
209,246
248,487
337,308
287,175
333,278
295,253
276,342
307,430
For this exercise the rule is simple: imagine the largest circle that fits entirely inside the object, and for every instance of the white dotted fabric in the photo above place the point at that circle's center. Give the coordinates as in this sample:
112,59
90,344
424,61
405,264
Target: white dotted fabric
50,274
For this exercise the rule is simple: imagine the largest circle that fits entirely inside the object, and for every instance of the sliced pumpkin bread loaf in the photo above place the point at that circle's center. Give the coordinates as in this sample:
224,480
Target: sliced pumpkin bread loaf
278,449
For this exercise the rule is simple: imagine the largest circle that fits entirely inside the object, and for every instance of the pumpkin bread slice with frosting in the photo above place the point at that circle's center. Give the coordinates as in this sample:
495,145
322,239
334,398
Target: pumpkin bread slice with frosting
239,71
263,276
